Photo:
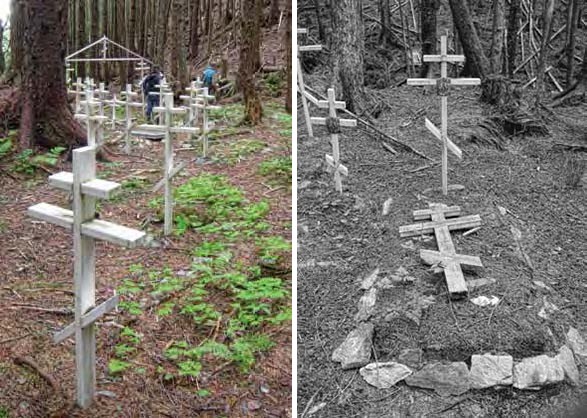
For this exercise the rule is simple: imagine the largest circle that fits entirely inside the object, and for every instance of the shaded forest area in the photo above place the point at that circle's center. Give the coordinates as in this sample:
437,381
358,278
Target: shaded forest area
506,44
245,39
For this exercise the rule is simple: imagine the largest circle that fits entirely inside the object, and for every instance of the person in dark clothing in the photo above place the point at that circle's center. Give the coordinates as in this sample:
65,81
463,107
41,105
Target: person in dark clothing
149,86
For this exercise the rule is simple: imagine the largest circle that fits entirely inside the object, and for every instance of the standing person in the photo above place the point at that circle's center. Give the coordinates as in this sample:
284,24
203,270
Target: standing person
208,78
149,86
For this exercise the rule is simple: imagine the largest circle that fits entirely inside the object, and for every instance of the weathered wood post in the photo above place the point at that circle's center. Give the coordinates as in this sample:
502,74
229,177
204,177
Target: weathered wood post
86,229
442,85
301,85
169,171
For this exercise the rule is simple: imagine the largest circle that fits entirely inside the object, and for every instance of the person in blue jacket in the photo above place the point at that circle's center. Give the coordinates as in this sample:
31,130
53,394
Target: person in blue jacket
208,78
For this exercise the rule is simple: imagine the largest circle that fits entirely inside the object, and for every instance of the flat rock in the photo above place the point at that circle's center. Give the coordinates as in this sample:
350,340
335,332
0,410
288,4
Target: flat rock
367,305
369,281
567,361
477,283
355,351
576,342
445,379
488,370
411,357
384,375
534,373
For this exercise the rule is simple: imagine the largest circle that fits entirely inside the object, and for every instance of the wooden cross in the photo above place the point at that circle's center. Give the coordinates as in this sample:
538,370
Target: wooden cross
442,85
194,90
202,103
128,105
79,89
333,124
142,67
93,122
169,172
86,229
446,257
301,85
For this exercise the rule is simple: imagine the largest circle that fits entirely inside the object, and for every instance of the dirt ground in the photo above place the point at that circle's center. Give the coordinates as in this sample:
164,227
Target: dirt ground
343,238
36,287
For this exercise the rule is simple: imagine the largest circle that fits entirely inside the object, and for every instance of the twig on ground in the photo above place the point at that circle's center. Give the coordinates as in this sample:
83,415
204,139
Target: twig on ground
57,311
25,361
20,337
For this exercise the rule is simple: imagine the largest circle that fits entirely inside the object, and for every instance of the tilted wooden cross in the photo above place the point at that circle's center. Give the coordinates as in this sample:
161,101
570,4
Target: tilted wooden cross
169,170
333,125
442,85
301,85
86,229
447,257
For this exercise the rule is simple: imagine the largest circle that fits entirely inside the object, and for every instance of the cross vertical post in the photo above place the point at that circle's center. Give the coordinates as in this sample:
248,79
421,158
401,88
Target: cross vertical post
301,84
168,226
442,85
84,210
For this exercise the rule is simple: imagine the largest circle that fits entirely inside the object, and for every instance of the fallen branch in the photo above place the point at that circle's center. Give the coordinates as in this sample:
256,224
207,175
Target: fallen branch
370,126
25,361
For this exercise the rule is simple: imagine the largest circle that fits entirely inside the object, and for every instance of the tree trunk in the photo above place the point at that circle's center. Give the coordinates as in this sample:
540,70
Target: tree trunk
82,39
385,35
130,36
547,13
477,61
249,53
347,51
428,24
95,34
572,22
288,59
46,118
497,37
194,30
274,12
2,62
321,32
512,42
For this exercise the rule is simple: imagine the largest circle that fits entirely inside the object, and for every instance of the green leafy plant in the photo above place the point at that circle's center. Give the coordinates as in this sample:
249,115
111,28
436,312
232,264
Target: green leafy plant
273,250
27,163
245,348
278,170
116,366
274,83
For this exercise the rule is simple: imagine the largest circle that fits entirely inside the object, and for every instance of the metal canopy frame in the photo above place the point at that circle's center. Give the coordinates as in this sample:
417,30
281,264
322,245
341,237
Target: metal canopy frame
105,41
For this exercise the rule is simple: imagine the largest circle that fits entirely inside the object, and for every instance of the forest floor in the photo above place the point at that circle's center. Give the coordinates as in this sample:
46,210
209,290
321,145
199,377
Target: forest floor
342,238
203,328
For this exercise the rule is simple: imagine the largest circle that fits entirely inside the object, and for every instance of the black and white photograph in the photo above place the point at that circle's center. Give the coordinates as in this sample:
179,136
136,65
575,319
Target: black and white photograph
441,231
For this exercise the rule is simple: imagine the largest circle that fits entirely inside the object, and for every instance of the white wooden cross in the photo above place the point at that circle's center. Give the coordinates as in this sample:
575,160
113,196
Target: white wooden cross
333,125
128,105
442,85
202,103
169,170
301,85
142,67
446,257
93,122
78,92
86,189
194,90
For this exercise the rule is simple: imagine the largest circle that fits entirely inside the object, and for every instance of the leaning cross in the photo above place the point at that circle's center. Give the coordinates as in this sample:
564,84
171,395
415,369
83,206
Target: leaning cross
169,171
86,229
333,125
442,85
301,85
447,256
